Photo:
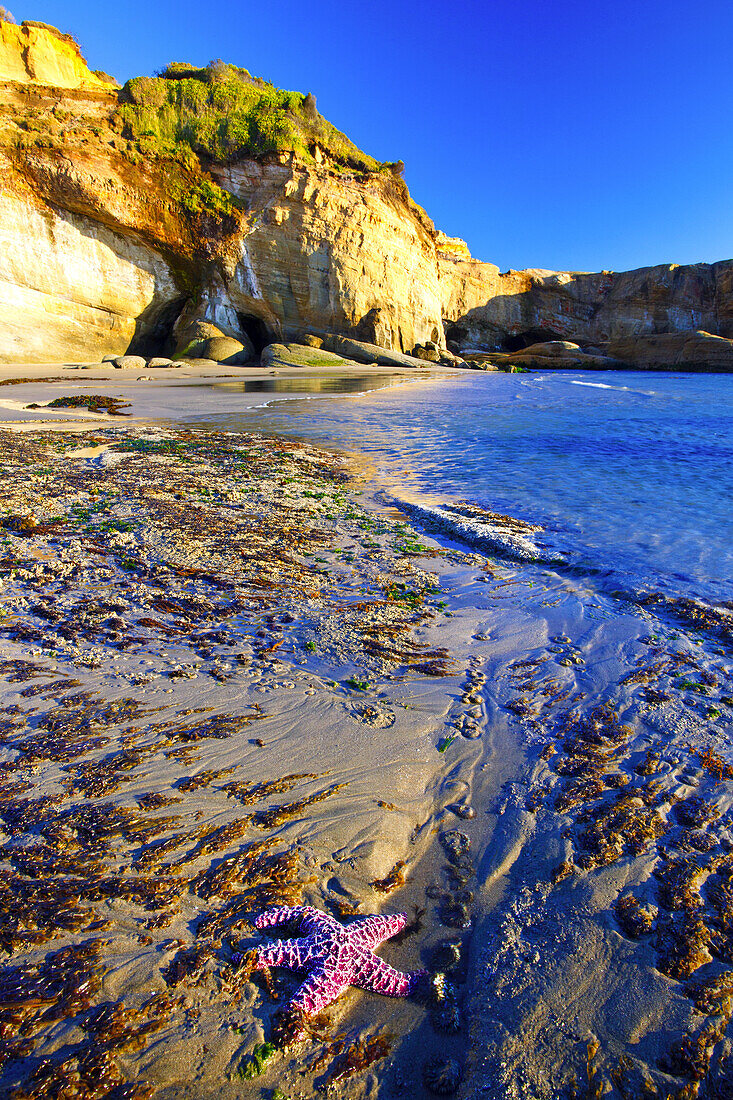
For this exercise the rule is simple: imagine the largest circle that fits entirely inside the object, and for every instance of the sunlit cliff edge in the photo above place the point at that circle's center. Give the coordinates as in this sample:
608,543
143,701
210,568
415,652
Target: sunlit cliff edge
129,215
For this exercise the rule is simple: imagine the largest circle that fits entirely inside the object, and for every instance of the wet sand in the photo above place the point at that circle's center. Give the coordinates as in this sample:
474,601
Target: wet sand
188,390
235,677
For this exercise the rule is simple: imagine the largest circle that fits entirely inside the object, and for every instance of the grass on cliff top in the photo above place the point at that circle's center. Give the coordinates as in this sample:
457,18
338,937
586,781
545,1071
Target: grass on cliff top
221,113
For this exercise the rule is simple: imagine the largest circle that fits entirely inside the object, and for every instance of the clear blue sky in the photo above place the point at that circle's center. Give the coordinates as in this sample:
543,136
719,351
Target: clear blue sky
572,135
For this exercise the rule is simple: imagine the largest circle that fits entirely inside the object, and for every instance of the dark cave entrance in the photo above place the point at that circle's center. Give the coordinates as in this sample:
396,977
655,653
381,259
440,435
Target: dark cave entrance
154,330
521,340
255,329
454,334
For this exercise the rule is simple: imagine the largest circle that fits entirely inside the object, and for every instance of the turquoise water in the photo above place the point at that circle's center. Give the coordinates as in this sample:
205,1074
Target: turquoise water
631,474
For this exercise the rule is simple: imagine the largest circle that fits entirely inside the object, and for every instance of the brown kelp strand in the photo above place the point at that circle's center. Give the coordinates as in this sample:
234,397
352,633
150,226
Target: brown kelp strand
279,815
92,402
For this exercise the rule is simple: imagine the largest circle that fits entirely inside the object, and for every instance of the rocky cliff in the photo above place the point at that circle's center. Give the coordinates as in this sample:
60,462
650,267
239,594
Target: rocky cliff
106,248
485,309
130,217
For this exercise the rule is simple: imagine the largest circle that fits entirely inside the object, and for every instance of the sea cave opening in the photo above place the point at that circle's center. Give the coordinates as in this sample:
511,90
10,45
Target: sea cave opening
520,340
257,331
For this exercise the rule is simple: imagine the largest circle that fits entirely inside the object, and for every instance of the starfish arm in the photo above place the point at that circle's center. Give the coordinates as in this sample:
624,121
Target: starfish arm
292,953
383,978
306,915
323,985
369,932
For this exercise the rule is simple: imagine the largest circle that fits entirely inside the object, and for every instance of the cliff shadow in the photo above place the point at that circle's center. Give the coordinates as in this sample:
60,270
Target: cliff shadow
511,322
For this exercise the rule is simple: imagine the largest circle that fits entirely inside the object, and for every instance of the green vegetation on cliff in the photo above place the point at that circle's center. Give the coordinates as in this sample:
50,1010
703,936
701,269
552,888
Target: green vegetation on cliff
177,127
222,113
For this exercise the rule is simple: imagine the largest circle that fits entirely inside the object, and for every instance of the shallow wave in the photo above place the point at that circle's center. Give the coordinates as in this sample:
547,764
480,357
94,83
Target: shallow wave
508,537
557,378
633,492
619,389
598,385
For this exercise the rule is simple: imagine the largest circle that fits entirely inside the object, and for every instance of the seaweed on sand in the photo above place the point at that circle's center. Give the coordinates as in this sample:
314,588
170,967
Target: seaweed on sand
278,815
178,541
248,793
93,402
636,920
392,880
616,828
358,1056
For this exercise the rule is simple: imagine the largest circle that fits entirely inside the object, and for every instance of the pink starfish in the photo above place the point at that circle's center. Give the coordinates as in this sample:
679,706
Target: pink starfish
334,956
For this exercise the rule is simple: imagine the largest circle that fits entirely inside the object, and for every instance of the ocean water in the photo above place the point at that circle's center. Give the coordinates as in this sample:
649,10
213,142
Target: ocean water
629,474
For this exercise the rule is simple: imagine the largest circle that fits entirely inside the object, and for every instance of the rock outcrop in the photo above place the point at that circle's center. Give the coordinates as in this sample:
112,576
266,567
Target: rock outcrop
300,355
485,309
370,353
675,350
553,355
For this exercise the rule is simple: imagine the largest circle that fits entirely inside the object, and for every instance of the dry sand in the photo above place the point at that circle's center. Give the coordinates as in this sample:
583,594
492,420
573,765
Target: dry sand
286,692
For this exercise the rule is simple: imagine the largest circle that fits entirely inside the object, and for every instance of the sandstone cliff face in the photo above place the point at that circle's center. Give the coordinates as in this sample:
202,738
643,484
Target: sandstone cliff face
70,287
94,262
103,250
322,253
88,242
36,54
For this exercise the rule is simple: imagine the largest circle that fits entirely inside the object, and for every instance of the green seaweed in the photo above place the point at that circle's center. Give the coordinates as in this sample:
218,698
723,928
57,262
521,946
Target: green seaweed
255,1064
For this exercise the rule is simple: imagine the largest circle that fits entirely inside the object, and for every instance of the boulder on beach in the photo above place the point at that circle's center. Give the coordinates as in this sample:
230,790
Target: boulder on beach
129,362
300,355
448,359
225,349
161,363
199,339
428,352
555,349
369,353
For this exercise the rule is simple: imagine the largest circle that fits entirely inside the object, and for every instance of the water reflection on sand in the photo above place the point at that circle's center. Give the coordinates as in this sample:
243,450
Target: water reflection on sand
309,384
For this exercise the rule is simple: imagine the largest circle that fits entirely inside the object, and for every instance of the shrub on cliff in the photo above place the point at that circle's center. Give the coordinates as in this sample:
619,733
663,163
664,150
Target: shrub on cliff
147,91
6,16
221,112
222,116
177,70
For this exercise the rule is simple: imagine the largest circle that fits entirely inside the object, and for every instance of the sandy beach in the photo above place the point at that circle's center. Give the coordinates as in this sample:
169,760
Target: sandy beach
235,676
